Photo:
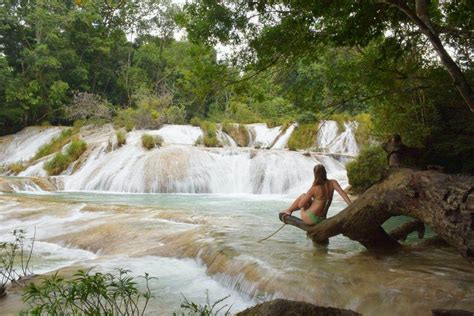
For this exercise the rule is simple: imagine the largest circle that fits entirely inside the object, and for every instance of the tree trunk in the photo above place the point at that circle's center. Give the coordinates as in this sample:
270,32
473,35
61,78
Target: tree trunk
424,24
444,202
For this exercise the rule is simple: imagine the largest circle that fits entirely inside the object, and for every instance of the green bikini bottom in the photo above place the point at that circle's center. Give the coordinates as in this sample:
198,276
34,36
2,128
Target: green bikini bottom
314,218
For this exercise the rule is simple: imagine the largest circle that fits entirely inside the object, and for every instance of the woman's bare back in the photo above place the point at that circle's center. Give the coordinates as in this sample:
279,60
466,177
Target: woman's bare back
322,197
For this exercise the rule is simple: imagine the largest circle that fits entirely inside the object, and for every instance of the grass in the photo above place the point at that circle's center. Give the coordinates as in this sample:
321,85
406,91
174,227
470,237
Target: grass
150,141
58,164
61,161
16,167
121,138
55,145
209,138
303,137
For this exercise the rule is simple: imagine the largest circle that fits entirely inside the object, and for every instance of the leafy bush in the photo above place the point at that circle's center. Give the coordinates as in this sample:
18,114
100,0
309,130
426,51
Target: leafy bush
175,115
209,138
241,113
208,309
76,149
125,118
55,145
121,138
367,168
11,253
88,294
58,164
195,121
303,137
16,167
150,141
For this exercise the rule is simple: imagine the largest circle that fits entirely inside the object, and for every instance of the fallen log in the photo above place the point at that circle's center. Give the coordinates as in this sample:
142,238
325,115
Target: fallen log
444,202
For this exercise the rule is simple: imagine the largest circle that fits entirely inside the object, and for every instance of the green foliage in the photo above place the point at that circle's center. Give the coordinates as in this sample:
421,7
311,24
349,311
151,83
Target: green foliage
15,260
209,138
55,145
208,309
75,149
367,168
125,118
16,167
61,161
121,138
57,164
195,121
88,294
150,141
175,115
364,131
303,137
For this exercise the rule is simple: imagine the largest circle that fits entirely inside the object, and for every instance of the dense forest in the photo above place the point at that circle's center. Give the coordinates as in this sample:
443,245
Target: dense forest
142,64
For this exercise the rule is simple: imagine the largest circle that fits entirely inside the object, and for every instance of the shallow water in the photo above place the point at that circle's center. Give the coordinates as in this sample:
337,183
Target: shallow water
197,243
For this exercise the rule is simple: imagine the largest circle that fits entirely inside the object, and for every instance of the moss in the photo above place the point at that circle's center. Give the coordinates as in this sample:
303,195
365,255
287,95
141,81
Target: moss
367,168
209,138
150,141
340,119
58,164
239,133
55,145
364,129
303,137
121,138
76,149
16,167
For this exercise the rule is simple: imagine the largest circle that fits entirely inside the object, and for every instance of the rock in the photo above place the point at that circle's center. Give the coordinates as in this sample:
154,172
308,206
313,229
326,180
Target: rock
450,312
280,307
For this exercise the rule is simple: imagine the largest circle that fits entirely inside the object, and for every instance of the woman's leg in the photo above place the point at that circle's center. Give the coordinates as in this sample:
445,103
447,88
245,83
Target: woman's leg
296,205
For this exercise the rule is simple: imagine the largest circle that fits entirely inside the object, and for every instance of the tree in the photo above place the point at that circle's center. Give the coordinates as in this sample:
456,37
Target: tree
283,30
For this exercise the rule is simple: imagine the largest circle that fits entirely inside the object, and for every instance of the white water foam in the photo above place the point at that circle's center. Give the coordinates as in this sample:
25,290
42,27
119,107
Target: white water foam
23,145
282,141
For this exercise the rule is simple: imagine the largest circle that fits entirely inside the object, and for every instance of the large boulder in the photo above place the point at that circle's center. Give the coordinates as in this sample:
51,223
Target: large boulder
281,307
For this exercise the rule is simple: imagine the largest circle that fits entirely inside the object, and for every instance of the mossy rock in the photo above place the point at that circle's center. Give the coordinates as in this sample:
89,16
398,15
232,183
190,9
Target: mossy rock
238,132
303,137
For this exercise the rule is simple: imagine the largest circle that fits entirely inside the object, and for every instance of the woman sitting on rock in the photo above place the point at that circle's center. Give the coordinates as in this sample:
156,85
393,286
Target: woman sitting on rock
314,204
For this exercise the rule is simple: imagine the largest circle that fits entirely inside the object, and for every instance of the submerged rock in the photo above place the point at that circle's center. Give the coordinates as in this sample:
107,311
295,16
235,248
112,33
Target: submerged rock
280,307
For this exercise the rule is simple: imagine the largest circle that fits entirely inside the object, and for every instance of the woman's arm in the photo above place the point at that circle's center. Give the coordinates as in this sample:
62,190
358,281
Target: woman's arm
341,192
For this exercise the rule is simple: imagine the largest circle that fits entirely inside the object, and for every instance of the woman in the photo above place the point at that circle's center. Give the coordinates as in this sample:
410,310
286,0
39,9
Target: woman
315,203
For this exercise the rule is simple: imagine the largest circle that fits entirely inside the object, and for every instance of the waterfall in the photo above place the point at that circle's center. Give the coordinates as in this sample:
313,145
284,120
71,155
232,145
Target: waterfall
23,145
282,141
262,136
180,167
328,139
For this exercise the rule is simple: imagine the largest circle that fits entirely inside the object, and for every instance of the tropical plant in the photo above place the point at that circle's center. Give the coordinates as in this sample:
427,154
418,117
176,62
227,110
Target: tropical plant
15,259
89,293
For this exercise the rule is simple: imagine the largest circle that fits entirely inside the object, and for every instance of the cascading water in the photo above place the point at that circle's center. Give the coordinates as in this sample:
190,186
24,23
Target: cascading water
261,136
194,243
281,142
179,167
328,139
23,145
